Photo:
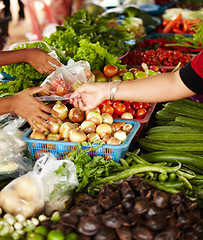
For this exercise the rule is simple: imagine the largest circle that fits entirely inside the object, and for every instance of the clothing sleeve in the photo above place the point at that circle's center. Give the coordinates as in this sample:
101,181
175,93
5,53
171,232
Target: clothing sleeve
192,74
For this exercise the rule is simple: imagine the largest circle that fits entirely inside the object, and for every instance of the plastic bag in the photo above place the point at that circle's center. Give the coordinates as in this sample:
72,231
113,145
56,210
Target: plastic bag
13,162
48,187
62,82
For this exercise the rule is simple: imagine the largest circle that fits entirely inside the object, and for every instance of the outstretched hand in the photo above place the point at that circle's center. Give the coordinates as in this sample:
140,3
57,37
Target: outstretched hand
41,60
89,95
32,110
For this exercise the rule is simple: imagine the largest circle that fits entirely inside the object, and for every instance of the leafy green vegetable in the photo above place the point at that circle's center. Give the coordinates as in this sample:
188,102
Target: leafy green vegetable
90,169
84,25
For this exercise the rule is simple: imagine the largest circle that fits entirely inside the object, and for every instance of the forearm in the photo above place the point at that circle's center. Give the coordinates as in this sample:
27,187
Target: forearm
6,105
14,56
158,88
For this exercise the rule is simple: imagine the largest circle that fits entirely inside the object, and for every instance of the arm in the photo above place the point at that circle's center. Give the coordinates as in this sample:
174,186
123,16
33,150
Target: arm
38,58
158,88
29,108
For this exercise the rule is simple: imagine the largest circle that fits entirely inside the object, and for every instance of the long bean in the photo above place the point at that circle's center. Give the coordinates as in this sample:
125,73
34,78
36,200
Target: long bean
139,168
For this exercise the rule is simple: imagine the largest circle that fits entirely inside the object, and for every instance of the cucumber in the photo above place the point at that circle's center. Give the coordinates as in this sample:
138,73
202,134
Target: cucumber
165,115
176,137
173,129
185,110
151,145
190,102
172,157
189,122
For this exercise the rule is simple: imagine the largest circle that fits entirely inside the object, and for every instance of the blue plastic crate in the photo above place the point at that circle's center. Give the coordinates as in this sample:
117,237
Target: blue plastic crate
61,149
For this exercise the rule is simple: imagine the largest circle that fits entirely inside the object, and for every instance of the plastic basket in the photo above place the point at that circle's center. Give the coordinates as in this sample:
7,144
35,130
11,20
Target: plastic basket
61,149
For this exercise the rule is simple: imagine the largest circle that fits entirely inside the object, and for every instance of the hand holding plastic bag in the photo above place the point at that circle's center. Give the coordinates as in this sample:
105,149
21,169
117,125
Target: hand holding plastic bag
49,186
62,82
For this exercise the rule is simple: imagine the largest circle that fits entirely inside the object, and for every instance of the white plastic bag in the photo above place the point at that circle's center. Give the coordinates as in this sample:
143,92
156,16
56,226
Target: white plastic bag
48,187
64,80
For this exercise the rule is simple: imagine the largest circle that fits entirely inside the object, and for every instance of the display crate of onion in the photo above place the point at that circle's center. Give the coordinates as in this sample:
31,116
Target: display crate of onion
61,148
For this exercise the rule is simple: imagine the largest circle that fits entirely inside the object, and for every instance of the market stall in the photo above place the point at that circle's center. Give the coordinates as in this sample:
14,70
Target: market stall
124,169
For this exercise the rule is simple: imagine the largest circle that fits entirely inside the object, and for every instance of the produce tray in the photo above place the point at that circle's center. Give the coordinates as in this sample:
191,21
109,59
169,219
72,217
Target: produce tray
61,149
143,122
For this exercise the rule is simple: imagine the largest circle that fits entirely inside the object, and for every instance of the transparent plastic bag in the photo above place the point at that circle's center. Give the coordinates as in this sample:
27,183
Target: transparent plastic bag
63,82
48,187
59,180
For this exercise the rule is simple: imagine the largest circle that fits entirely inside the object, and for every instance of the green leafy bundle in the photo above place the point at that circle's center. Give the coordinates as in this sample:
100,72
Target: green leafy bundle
84,25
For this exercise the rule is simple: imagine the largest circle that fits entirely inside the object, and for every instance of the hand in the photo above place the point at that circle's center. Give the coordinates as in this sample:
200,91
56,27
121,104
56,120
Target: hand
32,110
90,95
41,60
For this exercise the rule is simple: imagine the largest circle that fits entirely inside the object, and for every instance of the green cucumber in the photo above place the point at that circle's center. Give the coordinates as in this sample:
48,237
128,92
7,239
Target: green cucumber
174,156
189,122
172,129
165,115
190,102
181,109
176,137
151,145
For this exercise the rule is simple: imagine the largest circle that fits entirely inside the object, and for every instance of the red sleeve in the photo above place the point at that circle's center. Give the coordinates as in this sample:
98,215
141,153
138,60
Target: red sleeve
197,64
192,74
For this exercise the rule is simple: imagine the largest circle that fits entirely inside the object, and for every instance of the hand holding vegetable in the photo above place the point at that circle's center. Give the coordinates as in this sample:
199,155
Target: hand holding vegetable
29,108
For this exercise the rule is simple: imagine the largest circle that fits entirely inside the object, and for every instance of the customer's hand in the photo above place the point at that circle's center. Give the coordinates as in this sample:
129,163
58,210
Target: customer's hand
90,95
41,60
32,110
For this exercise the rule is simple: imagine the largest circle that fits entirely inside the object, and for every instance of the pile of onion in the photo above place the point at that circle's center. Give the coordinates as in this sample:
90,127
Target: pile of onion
79,126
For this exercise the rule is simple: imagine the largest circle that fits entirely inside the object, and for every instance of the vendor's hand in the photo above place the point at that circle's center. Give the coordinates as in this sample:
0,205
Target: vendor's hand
89,95
41,60
32,110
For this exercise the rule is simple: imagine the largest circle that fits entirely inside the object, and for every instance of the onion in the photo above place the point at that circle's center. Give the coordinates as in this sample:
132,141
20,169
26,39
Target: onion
127,128
106,138
96,109
40,126
65,129
127,115
94,117
54,127
77,135
107,118
103,129
114,141
118,125
61,109
121,135
92,137
76,115
53,137
88,127
37,135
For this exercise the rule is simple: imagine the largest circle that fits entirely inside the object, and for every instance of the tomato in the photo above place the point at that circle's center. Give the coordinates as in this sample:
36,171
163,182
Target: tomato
110,70
107,109
61,89
136,105
128,76
115,116
145,105
54,83
141,113
127,104
105,102
101,78
119,108
132,111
